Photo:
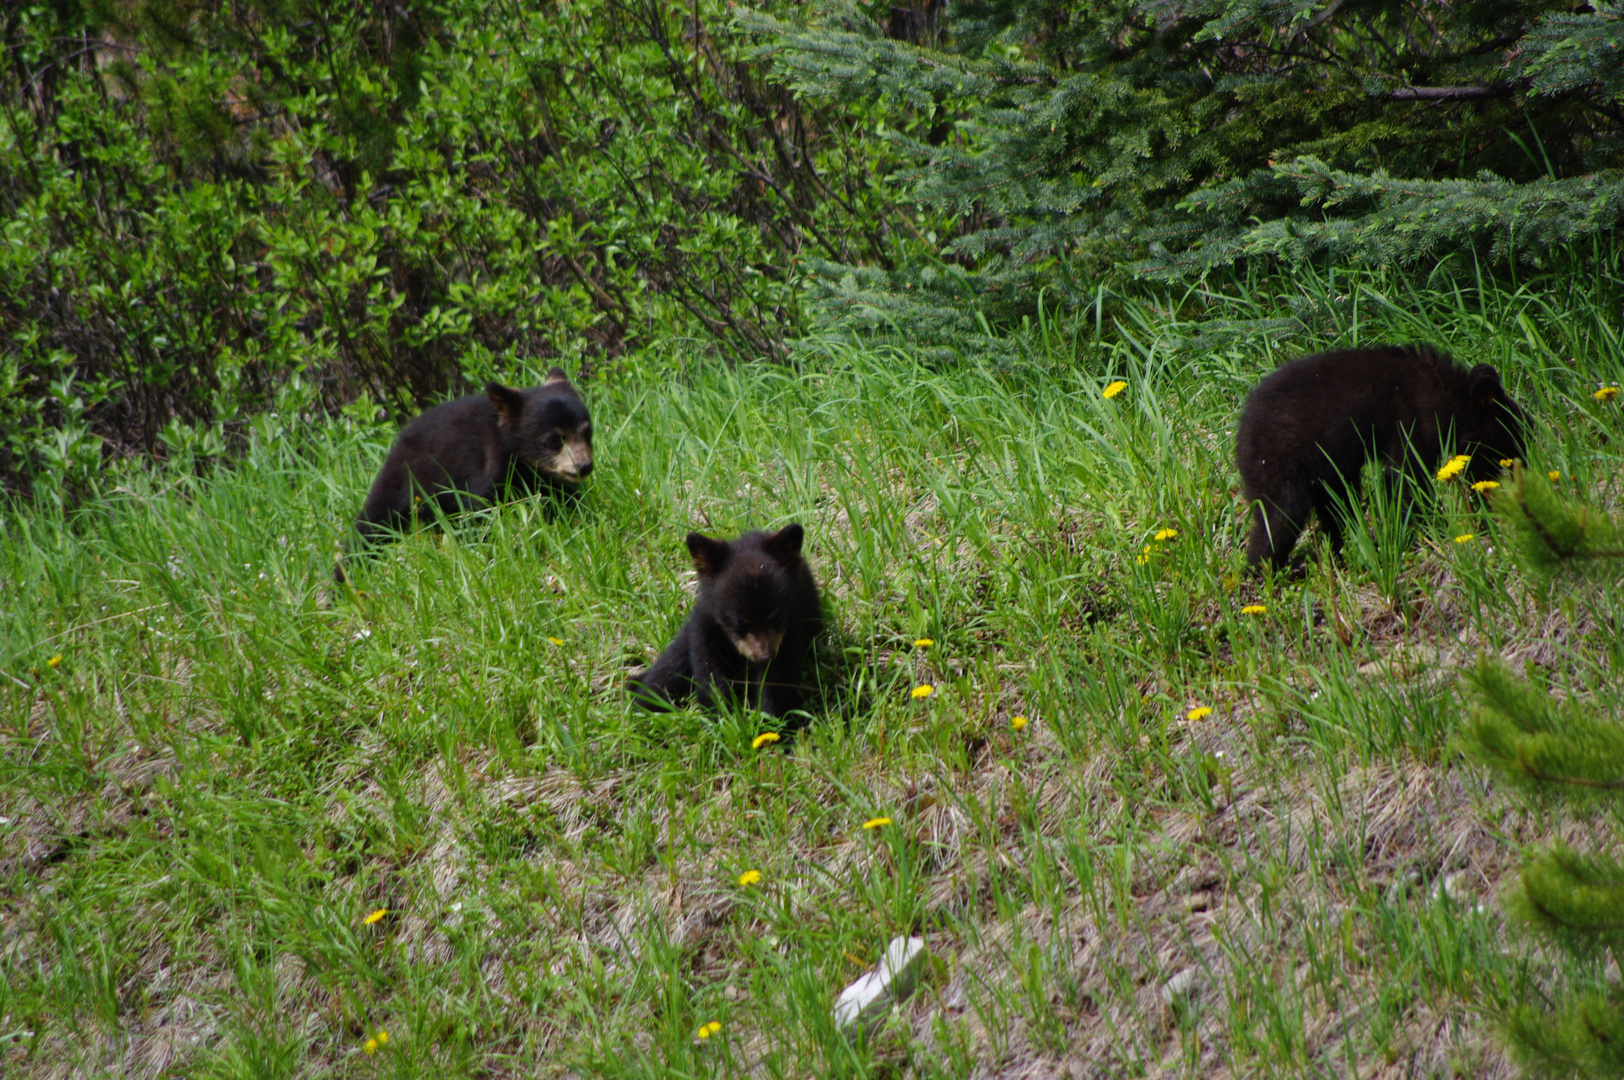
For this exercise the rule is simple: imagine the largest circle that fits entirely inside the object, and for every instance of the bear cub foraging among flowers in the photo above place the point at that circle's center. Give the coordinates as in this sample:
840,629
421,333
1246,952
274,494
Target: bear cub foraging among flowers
1307,430
753,621
462,453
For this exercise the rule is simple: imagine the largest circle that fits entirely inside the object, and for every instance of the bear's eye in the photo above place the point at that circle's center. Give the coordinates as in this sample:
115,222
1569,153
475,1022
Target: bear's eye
586,433
551,440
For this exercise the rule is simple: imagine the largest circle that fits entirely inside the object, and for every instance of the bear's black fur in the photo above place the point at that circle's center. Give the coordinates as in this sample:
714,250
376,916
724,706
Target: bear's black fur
1307,430
462,453
752,624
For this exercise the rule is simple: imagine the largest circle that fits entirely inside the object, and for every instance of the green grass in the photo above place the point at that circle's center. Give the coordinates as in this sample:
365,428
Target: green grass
234,762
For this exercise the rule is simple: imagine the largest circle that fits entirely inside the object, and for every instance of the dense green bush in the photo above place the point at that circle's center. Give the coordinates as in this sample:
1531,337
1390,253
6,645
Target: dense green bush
212,211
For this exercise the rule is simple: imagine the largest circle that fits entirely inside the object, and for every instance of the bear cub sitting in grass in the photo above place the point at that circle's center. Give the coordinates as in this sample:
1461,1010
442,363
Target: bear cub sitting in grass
461,454
1307,430
753,621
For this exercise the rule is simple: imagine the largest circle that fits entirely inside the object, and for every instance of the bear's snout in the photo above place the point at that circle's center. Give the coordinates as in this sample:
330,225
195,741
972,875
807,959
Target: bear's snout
571,462
576,460
759,647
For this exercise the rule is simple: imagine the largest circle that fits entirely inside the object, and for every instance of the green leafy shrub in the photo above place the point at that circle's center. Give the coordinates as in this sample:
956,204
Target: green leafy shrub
210,211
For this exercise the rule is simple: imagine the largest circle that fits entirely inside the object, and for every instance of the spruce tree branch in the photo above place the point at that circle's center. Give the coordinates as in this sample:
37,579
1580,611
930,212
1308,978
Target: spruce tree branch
1601,105
1562,550
1454,93
1394,57
1492,45
1292,59
1323,17
1566,924
1532,773
1566,551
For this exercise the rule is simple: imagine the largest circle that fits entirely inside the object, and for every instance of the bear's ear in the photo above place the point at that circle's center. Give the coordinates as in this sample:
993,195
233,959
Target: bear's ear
509,402
555,376
785,544
1485,389
709,555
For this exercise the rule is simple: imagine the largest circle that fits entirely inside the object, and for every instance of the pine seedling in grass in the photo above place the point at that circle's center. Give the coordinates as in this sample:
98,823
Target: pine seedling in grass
1565,752
1555,537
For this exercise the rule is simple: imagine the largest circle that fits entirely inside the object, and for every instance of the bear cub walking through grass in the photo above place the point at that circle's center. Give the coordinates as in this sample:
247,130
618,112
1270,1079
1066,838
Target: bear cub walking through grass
1307,430
465,452
752,624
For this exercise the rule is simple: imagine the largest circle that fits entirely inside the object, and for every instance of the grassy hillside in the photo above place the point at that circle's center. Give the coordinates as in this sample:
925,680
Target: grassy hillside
216,765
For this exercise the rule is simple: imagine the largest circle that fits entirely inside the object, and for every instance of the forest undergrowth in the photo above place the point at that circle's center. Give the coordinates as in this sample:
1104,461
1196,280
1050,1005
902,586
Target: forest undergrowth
1154,817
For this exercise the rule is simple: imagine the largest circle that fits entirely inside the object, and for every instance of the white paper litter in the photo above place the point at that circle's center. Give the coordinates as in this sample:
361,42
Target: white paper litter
888,982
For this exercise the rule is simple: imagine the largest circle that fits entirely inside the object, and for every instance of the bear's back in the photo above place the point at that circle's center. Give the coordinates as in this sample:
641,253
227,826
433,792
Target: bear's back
1323,414
1394,384
461,419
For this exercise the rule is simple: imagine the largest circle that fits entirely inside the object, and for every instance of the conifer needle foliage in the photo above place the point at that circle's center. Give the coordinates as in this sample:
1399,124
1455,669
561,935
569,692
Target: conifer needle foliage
1555,537
1563,752
1051,141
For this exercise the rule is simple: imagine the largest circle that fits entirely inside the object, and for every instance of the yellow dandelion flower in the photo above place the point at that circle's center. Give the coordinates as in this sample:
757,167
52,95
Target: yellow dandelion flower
876,822
1114,389
1454,467
1464,538
1606,393
1485,485
1142,558
1505,463
54,661
1018,722
382,1036
555,641
1200,712
749,878
923,690
707,1030
370,1046
375,916
1166,534
764,739
1254,609
1555,474
924,642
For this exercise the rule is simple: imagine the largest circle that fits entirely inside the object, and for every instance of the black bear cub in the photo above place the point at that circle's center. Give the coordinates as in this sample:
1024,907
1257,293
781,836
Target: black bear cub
752,624
1307,430
464,452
